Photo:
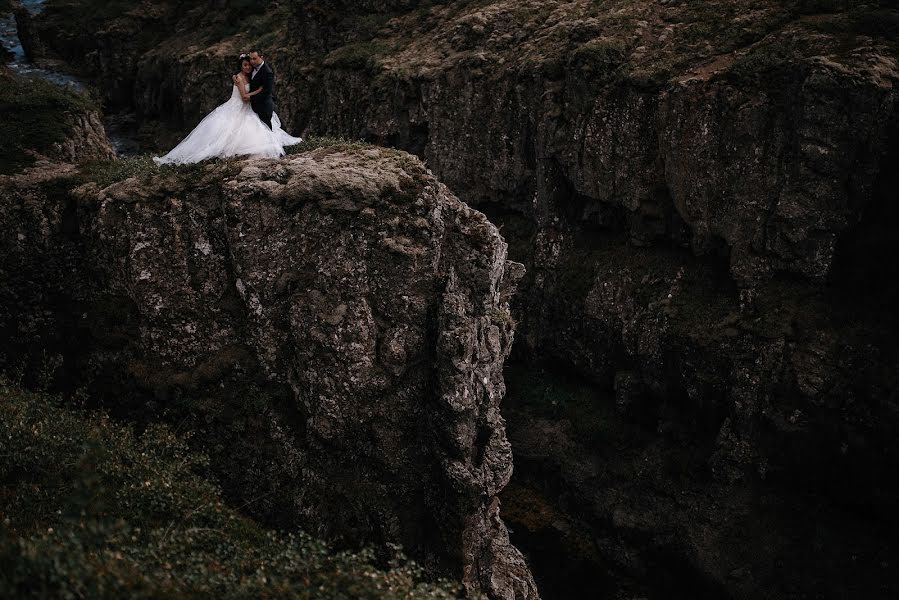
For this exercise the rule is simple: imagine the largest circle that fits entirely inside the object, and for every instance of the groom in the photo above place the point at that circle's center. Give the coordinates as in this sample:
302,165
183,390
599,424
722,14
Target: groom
262,78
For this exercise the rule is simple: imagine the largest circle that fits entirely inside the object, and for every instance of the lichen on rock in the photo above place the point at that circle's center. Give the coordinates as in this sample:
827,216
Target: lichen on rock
329,316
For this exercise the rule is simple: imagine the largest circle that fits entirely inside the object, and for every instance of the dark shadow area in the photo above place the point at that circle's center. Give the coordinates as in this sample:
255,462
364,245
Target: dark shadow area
605,507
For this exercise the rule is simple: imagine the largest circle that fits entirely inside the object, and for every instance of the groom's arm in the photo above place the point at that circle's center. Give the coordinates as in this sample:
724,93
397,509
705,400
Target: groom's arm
269,81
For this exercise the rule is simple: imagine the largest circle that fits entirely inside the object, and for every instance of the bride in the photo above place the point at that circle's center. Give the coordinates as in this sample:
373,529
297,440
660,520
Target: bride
232,129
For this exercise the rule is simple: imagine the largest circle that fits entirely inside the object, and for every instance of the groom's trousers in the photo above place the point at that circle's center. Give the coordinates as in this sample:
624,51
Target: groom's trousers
264,110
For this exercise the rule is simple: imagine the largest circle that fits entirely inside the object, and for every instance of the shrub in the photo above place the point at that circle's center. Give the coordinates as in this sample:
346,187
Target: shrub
90,509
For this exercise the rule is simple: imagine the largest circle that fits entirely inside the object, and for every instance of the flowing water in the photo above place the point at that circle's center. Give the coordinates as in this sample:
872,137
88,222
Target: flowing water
117,127
20,64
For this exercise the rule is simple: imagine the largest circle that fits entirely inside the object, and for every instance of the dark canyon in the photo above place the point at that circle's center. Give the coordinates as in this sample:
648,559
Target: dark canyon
701,395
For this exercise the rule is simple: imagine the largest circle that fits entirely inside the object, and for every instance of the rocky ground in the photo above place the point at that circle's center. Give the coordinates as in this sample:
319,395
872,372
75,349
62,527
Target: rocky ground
702,195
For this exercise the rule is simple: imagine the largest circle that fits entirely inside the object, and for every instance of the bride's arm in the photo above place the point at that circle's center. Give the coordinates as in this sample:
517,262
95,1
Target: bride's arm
239,82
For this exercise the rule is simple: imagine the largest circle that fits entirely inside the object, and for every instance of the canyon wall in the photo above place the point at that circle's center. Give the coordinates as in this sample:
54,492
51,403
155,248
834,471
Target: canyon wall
702,195
331,326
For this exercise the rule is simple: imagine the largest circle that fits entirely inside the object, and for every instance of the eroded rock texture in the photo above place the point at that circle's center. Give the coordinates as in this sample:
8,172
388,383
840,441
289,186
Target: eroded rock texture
334,323
703,196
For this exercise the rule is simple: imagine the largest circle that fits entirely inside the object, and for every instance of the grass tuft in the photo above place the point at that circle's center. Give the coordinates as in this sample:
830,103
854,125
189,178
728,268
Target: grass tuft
360,55
337,143
107,172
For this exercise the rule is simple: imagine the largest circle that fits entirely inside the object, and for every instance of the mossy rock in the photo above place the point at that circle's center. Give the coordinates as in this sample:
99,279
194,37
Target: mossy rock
106,172
361,55
34,115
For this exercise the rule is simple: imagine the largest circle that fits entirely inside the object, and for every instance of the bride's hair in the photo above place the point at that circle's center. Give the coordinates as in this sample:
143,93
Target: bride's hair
240,60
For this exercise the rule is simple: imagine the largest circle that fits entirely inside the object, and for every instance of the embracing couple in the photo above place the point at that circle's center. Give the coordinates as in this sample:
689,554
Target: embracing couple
245,125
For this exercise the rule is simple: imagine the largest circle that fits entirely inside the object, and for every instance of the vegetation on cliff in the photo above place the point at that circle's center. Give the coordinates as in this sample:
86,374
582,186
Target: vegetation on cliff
354,451
93,509
737,141
37,115
643,41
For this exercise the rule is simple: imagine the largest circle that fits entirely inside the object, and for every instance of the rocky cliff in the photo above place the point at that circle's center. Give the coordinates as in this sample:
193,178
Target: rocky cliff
702,195
44,123
332,326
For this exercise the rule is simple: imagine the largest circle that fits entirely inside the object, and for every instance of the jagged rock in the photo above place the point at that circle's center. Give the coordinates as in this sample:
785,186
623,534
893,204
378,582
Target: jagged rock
86,140
766,143
660,168
334,312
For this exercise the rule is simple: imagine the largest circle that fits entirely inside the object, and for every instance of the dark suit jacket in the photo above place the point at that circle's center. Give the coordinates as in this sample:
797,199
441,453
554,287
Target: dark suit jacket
264,101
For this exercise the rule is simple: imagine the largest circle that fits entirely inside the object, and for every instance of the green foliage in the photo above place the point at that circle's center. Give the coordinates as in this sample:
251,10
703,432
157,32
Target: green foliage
92,510
759,62
107,172
501,316
337,143
595,64
34,115
599,56
360,55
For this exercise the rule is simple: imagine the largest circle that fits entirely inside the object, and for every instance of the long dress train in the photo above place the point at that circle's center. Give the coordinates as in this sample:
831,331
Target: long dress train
231,129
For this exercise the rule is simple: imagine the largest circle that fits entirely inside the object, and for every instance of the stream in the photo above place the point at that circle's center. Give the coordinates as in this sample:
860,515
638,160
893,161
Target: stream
118,127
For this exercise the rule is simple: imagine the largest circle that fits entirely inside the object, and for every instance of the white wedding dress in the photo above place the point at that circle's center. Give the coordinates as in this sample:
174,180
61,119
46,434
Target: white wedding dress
231,129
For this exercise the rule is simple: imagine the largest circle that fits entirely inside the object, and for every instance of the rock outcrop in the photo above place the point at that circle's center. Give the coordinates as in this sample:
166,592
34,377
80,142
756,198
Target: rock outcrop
44,122
334,325
86,140
702,194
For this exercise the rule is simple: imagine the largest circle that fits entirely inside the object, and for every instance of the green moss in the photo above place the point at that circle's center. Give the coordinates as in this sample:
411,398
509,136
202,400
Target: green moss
599,56
501,317
92,510
337,143
107,172
360,55
34,115
759,63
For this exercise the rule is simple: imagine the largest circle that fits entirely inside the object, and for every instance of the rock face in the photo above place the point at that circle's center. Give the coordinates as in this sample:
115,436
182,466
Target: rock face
697,205
337,320
45,123
702,194
86,140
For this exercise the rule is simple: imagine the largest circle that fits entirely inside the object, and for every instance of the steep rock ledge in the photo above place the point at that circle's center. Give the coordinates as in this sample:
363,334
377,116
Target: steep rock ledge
748,151
702,193
334,323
